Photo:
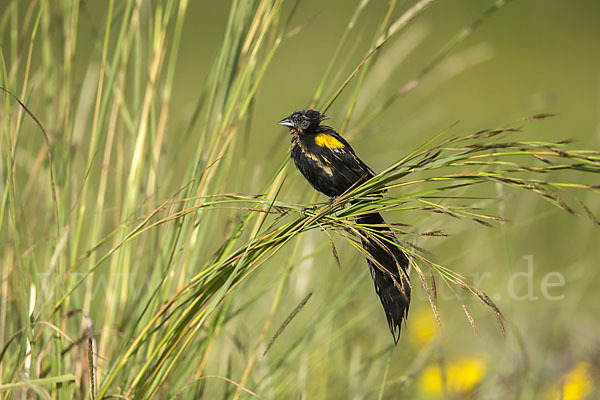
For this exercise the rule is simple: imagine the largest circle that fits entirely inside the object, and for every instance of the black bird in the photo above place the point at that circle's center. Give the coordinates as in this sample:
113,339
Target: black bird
330,165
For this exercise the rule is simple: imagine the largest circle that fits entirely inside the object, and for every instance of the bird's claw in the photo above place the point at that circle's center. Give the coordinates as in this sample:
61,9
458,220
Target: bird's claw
305,209
332,200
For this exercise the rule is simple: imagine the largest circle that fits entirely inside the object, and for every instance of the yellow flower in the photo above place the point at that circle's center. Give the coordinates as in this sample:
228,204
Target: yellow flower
461,375
576,384
423,327
431,380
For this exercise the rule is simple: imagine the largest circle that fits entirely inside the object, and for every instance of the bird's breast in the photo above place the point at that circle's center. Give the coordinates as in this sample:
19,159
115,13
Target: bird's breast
306,160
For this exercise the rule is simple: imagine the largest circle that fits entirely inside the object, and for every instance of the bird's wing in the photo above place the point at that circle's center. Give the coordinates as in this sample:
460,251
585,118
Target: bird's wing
336,151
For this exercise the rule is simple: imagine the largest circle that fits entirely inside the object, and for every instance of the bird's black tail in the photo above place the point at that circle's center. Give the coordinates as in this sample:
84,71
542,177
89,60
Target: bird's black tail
390,276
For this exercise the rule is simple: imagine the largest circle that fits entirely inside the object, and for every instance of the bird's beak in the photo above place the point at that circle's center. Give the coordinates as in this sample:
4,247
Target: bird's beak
286,122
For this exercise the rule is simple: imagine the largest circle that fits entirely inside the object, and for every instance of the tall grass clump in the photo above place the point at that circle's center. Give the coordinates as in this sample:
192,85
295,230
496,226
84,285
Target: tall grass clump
125,252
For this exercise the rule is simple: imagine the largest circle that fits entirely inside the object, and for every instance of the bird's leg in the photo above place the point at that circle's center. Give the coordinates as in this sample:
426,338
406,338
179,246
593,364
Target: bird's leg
332,200
305,209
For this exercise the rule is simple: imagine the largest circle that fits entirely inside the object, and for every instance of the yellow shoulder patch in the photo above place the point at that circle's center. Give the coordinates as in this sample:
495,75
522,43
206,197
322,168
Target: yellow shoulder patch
325,140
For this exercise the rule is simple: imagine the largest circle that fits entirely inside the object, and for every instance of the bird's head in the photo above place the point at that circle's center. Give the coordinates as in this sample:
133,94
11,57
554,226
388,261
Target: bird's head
302,121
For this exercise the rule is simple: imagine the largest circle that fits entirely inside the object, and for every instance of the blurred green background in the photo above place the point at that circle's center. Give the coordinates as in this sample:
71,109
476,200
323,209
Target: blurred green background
529,57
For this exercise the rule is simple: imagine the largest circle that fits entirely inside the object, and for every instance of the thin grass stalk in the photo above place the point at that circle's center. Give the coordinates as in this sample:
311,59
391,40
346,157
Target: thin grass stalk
132,16
437,58
268,320
338,50
95,127
396,27
382,27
